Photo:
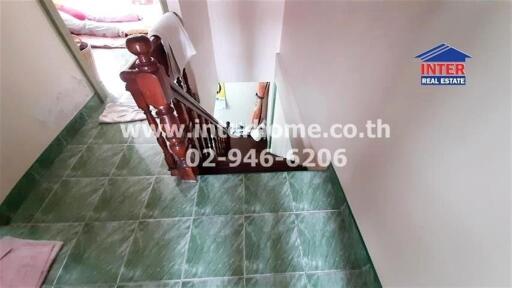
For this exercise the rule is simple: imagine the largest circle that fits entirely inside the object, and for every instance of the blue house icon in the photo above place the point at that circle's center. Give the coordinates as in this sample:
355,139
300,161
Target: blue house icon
443,53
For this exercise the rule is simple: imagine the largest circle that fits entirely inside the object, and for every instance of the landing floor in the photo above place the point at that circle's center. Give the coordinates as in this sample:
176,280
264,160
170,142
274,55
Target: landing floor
126,223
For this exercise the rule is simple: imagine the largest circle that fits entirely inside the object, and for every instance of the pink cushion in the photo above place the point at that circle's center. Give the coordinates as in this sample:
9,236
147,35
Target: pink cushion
101,16
71,11
127,17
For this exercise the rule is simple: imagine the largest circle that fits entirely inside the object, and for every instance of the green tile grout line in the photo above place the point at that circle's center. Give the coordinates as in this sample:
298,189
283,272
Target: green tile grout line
184,265
243,231
89,143
63,177
303,260
193,217
338,181
135,229
31,178
179,217
72,245
343,207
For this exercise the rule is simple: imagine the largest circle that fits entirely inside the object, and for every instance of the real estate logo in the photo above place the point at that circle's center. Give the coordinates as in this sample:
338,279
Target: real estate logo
443,65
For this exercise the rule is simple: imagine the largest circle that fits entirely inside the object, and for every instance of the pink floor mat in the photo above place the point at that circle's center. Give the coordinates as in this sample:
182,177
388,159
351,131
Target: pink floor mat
25,263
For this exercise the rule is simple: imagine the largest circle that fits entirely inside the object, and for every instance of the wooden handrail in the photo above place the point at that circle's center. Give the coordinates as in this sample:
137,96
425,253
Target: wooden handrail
154,85
191,103
183,96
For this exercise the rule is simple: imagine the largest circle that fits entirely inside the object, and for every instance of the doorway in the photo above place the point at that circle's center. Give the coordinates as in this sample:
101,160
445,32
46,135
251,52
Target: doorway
99,29
244,107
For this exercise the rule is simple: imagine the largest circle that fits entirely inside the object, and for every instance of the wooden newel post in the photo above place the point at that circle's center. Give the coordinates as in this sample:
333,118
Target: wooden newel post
140,46
149,86
131,86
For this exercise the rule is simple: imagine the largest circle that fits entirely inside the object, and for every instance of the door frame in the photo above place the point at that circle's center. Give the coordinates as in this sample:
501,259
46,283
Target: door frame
53,15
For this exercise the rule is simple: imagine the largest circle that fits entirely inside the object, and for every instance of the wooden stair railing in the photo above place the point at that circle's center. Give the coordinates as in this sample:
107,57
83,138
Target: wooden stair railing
177,116
180,124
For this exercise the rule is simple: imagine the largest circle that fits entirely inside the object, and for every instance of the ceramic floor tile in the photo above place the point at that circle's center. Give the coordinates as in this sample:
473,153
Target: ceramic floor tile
170,198
142,133
66,233
96,161
353,278
110,134
214,283
86,286
73,127
158,251
296,280
330,241
98,254
215,248
140,160
84,136
51,153
93,107
167,284
12,230
315,190
162,249
272,244
64,162
220,195
72,201
267,193
163,169
21,191
122,199
35,200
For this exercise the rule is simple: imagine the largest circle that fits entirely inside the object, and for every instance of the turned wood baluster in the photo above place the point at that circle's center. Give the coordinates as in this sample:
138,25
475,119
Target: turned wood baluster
184,120
209,134
216,138
131,86
222,140
188,88
194,126
203,135
227,138
196,130
182,116
208,129
177,144
149,83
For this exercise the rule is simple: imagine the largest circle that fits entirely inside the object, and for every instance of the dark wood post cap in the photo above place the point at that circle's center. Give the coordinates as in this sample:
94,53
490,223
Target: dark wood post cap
140,46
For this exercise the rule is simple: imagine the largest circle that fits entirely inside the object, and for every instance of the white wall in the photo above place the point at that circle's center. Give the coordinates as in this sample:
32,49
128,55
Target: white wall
41,88
173,6
432,202
196,21
246,36
280,144
240,103
236,41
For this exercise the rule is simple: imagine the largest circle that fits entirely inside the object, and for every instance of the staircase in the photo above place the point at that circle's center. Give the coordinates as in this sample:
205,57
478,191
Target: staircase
192,140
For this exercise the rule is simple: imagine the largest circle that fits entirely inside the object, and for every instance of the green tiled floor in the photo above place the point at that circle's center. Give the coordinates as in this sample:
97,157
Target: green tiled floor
126,223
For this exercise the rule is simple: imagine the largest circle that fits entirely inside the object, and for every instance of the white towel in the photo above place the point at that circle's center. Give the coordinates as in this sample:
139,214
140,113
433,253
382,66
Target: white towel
121,112
175,40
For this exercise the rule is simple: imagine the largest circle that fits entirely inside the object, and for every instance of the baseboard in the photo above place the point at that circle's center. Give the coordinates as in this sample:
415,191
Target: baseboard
31,178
